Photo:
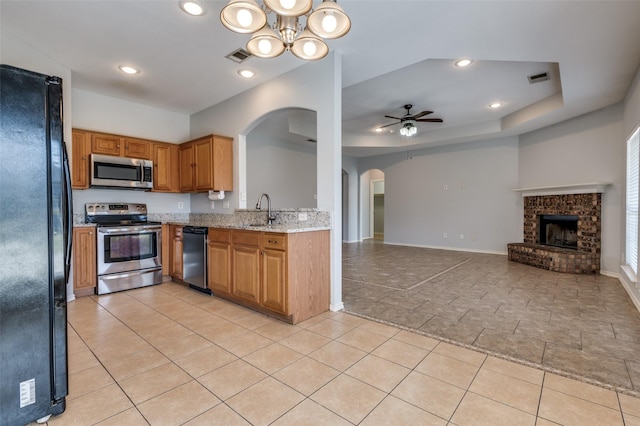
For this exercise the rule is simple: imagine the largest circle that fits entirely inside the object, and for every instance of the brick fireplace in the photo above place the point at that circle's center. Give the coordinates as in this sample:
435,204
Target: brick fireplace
579,250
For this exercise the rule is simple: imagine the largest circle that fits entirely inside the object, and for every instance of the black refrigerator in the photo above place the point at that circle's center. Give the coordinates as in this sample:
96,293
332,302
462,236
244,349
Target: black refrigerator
35,247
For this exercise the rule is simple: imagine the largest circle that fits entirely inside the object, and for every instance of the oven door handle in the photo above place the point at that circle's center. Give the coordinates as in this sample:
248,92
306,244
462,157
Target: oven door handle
129,230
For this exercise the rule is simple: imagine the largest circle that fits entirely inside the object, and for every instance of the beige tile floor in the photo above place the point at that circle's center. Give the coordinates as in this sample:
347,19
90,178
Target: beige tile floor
167,355
583,325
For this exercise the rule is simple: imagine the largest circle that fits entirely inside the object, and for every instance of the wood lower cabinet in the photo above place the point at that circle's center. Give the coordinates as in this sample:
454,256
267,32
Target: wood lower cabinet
175,232
219,261
245,264
84,261
284,275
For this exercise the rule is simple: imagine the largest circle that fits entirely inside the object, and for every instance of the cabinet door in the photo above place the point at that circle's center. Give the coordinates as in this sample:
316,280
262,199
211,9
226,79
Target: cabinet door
274,285
84,259
204,156
80,150
246,272
218,267
187,165
137,148
105,144
176,252
165,168
222,163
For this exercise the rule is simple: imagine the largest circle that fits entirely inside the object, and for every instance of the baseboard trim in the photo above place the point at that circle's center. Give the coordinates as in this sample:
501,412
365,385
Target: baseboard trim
336,307
470,250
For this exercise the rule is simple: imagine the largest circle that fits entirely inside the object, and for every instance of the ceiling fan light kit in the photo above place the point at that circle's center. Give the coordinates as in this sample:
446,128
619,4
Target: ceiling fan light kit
409,121
286,33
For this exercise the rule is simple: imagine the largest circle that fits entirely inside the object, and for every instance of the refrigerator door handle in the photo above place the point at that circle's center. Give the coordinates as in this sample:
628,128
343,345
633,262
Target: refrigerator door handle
68,220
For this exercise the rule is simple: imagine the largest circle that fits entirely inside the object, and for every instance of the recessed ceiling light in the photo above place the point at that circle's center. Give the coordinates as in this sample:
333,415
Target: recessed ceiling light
128,70
495,105
463,63
246,73
192,7
378,129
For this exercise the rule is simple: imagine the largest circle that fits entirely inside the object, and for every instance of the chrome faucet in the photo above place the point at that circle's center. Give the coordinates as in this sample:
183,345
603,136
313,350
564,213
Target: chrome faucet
270,217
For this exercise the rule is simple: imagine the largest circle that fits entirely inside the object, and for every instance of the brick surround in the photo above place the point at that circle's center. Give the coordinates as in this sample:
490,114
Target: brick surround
584,260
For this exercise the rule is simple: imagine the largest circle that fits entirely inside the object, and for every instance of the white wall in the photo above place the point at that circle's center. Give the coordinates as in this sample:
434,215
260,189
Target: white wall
287,171
351,231
16,53
93,111
478,203
316,86
630,121
586,149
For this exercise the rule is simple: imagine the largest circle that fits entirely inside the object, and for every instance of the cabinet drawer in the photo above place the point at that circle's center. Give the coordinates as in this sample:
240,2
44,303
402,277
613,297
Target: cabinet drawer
274,241
219,235
248,238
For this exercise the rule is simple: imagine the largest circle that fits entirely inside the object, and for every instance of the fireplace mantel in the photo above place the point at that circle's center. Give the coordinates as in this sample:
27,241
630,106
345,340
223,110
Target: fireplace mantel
580,188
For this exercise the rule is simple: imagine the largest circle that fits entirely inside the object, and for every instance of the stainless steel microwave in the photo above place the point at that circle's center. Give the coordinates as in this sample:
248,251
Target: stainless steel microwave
118,172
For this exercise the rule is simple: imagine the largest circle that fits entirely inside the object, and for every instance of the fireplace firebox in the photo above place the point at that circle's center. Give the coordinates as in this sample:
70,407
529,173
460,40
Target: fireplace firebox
559,230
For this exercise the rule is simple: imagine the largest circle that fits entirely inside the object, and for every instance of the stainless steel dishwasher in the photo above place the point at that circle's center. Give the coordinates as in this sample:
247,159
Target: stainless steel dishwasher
194,257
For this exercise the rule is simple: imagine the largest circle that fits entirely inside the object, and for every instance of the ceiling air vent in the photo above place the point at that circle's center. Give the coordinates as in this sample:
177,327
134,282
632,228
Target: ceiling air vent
239,55
538,78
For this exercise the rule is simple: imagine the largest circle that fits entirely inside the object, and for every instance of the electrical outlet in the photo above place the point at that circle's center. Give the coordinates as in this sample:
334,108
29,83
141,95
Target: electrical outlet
474,237
462,236
445,187
180,205
243,196
225,205
444,235
302,217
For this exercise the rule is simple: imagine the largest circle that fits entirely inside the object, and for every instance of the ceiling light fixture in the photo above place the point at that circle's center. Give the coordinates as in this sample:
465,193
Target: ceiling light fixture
246,73
495,105
463,63
286,32
128,70
192,7
408,128
378,129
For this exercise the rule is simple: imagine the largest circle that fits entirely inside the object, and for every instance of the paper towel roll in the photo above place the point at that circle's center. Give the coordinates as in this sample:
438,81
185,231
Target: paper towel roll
216,196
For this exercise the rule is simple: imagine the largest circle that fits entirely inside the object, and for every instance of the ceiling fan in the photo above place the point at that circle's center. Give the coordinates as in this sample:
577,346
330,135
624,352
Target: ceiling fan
409,121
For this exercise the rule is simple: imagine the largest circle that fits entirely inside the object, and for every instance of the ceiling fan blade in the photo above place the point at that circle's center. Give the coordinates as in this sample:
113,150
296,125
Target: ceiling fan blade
422,114
395,118
430,120
387,125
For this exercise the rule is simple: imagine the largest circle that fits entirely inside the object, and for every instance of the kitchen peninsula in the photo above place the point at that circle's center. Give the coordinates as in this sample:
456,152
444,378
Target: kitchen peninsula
281,270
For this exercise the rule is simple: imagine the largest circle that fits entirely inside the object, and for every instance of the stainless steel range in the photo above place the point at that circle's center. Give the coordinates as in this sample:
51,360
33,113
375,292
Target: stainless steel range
129,246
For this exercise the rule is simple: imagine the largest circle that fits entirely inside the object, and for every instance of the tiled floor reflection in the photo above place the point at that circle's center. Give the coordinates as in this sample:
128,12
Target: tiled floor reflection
583,325
167,355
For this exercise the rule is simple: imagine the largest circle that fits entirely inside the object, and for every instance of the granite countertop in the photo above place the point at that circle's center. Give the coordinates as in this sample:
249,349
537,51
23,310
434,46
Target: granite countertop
279,228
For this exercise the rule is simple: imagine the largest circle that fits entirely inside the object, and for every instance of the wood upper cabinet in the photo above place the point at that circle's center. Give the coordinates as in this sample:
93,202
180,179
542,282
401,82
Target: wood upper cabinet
206,164
219,261
137,148
166,167
187,167
176,251
105,144
84,261
80,150
120,146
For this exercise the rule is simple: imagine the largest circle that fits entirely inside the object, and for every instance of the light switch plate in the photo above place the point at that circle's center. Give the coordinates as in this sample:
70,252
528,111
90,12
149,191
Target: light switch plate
302,217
